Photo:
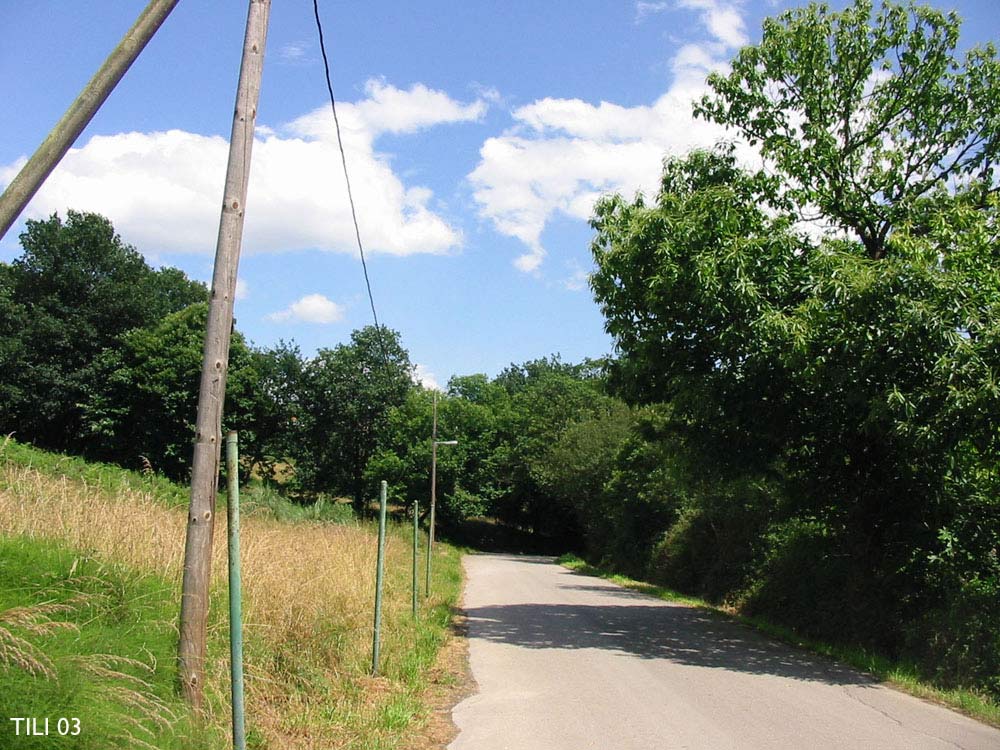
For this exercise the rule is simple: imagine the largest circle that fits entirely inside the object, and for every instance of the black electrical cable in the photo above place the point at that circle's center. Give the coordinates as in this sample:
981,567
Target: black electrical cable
347,179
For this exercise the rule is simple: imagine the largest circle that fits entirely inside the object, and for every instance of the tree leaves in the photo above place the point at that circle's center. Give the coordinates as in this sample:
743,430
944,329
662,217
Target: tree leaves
863,113
852,363
73,292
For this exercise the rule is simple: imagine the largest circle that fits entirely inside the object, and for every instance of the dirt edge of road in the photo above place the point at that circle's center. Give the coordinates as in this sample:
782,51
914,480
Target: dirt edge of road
451,681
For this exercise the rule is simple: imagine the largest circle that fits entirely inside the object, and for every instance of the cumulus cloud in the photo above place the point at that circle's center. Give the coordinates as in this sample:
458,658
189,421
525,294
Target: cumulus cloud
163,190
242,289
313,308
388,109
643,9
426,378
521,181
487,93
563,154
722,19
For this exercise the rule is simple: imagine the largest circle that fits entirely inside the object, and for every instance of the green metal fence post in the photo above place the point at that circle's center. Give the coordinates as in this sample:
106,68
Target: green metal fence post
416,552
235,589
378,578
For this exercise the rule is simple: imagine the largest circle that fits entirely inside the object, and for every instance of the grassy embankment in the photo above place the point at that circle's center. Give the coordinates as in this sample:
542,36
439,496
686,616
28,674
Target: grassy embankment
90,567
901,675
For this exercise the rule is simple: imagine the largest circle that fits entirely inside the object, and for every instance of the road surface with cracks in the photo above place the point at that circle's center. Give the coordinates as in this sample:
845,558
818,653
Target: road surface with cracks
567,662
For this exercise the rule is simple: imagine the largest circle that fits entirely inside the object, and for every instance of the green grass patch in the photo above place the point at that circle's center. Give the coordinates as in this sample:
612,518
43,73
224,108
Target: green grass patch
257,497
384,712
901,675
571,561
107,477
103,643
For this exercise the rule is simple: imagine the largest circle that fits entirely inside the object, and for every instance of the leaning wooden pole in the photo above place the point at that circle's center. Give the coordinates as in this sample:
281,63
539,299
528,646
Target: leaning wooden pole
212,392
24,186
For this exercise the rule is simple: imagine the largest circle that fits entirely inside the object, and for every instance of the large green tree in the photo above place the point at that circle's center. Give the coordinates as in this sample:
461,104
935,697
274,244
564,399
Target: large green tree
546,396
275,413
864,114
404,458
348,392
76,288
147,406
469,476
828,325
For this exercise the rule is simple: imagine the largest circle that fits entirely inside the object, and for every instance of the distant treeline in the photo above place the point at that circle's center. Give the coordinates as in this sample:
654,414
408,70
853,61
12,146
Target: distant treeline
100,356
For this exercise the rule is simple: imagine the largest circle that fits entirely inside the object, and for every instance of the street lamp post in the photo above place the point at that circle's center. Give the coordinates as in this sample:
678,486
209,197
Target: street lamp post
430,530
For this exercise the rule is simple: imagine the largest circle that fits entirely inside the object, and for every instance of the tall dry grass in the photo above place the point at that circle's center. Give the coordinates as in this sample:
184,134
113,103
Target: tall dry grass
307,602
38,620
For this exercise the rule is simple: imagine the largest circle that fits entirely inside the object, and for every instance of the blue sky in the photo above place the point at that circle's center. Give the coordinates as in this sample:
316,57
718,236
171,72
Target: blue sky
478,136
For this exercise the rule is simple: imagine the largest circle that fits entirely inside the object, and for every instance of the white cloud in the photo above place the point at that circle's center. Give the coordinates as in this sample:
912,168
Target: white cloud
487,93
578,280
294,52
9,172
530,261
722,19
643,9
565,164
313,308
386,109
426,378
563,154
163,190
242,289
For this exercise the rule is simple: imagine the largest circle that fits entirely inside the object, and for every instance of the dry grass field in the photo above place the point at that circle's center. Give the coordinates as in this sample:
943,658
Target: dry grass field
308,604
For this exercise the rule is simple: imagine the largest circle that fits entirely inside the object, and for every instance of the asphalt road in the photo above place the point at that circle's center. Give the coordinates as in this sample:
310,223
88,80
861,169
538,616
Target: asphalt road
566,662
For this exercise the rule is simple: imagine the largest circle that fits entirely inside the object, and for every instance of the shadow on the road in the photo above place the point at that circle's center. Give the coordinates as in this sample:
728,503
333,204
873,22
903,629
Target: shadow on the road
520,557
677,633
618,592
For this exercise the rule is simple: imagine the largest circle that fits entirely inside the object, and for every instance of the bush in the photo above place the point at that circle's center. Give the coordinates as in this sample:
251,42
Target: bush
261,498
809,582
959,643
712,549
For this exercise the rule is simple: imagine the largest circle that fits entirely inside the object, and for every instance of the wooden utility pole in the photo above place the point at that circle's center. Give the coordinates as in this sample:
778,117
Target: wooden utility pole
212,392
80,113
430,525
434,454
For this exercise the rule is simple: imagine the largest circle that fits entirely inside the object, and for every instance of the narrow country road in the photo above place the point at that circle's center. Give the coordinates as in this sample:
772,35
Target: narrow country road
567,662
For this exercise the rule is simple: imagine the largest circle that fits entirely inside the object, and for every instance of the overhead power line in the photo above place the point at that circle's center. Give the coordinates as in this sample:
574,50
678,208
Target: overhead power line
347,179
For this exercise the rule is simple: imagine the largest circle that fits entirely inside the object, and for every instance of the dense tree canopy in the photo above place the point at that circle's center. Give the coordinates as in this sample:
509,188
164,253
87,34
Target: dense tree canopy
147,406
347,394
866,115
274,420
76,288
827,328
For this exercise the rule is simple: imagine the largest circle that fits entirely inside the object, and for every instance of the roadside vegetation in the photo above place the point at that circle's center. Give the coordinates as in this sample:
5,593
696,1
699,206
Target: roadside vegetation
90,581
84,640
813,345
